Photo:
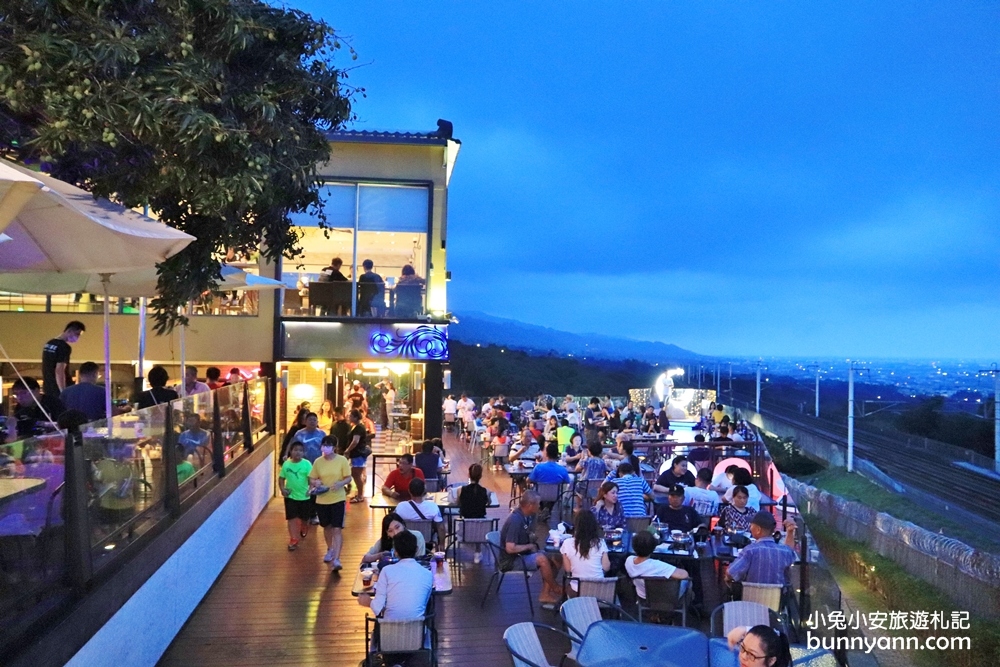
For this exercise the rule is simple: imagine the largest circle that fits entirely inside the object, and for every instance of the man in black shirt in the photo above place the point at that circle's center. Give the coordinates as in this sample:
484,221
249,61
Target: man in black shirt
675,514
86,396
371,291
28,415
55,358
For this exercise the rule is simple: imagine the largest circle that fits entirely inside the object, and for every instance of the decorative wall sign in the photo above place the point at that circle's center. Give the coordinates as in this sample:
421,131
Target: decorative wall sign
425,342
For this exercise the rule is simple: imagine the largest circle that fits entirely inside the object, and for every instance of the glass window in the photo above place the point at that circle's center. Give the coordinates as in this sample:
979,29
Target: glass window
386,224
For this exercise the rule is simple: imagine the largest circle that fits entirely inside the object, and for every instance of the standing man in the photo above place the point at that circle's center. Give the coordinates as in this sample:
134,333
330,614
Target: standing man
55,359
191,383
371,291
85,396
311,438
466,411
450,407
330,473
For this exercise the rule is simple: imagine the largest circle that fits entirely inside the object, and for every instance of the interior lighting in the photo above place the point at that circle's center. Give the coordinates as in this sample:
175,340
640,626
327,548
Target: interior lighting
302,392
317,365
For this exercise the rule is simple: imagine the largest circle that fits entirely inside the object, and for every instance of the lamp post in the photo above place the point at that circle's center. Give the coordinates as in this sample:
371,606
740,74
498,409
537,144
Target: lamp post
816,366
758,387
995,372
850,419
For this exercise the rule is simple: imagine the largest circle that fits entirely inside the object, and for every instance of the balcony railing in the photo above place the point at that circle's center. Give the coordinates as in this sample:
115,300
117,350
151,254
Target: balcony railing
224,303
73,503
335,300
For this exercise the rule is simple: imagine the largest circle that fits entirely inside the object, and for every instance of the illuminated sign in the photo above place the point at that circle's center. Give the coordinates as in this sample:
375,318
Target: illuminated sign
424,342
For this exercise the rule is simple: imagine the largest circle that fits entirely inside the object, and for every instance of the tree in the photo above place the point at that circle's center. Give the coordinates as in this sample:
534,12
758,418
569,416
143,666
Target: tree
210,112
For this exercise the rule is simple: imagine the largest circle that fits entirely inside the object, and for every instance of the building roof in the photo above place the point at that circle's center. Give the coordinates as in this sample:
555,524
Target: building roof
383,137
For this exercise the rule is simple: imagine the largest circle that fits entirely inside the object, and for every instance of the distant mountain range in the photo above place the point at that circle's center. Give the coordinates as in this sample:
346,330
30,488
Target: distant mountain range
475,327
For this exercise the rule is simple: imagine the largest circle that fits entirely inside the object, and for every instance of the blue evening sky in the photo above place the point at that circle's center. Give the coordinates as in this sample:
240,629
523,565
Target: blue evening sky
777,178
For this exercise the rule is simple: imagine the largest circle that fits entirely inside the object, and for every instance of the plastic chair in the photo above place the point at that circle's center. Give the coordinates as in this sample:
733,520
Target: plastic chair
664,596
578,614
768,595
425,528
603,589
493,542
394,637
636,523
524,646
470,531
551,494
735,614
431,485
803,656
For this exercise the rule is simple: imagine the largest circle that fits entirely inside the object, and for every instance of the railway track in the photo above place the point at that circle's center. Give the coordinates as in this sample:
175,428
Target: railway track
927,471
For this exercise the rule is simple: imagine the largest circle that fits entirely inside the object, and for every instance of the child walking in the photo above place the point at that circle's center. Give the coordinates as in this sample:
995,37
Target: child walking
293,481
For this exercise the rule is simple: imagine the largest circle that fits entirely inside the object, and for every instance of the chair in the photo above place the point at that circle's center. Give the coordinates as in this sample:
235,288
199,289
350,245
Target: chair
579,613
636,523
735,614
385,637
408,300
471,531
588,490
425,528
803,656
493,542
768,595
551,494
334,298
450,421
664,596
524,646
604,589
431,485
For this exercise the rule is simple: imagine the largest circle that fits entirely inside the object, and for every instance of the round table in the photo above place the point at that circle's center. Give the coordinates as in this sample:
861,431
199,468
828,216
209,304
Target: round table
617,643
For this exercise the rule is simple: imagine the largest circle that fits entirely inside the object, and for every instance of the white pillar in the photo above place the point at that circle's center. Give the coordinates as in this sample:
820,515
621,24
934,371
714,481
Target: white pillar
758,388
850,419
996,420
817,390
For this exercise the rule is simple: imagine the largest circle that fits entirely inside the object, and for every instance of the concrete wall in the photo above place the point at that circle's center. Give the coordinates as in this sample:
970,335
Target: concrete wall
816,446
140,632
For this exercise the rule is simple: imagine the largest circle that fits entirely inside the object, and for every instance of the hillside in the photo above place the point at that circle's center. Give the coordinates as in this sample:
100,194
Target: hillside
475,327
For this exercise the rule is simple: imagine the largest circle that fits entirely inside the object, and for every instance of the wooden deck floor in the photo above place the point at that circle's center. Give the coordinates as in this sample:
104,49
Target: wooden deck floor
271,607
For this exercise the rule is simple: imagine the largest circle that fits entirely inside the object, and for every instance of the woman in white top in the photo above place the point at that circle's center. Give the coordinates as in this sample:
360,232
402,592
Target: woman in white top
585,555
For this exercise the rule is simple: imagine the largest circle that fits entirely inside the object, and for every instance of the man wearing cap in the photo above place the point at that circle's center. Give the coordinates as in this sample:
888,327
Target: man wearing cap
675,514
764,561
677,474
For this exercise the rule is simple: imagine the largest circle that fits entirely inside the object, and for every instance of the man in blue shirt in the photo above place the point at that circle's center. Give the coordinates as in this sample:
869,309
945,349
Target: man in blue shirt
633,492
550,471
86,396
764,561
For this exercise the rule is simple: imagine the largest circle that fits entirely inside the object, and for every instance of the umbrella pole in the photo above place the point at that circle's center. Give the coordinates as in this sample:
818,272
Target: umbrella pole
183,357
105,279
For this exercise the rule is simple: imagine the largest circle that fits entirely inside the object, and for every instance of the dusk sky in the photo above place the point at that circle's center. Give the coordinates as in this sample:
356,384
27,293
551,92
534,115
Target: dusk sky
735,178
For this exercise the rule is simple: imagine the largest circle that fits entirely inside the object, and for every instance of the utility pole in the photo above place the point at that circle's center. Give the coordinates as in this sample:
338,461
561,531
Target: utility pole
995,372
816,366
700,369
718,381
730,382
850,419
758,387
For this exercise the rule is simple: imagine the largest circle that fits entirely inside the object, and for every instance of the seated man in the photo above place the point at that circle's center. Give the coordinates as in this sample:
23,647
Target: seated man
550,471
403,588
30,417
641,565
525,448
764,561
704,502
419,509
197,442
675,514
397,483
517,546
633,492
428,461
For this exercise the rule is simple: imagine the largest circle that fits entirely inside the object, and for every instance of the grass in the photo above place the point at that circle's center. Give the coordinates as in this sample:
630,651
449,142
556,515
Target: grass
876,583
852,486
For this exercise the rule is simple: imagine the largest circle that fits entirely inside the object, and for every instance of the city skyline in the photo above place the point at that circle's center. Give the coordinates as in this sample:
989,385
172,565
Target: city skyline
820,179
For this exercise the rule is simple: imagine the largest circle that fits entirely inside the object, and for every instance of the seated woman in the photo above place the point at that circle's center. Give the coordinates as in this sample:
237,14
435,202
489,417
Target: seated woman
392,524
739,514
585,555
742,477
549,432
607,510
574,450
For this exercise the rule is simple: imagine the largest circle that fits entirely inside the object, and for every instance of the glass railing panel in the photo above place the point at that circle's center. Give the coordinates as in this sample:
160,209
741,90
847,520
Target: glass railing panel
230,400
257,394
31,520
126,482
193,438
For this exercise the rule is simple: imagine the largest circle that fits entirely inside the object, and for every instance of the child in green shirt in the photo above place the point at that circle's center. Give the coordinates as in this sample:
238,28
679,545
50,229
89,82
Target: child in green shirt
185,469
293,481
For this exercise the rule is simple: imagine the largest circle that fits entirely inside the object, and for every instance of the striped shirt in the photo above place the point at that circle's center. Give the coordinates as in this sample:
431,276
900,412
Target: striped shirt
763,562
630,495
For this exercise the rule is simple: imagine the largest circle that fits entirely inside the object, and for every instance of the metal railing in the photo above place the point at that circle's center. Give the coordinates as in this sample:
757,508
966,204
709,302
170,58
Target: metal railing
75,505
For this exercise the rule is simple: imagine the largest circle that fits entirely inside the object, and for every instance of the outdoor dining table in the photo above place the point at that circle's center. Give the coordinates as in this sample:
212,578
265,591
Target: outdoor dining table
15,487
449,510
617,643
442,581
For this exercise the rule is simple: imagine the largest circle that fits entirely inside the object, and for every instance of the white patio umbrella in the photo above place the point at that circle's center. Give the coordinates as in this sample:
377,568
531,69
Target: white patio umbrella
62,229
127,284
